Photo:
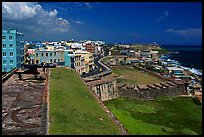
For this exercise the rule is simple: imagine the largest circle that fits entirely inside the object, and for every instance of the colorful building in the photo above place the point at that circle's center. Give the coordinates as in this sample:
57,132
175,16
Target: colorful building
88,59
49,55
175,71
12,50
69,56
79,64
90,48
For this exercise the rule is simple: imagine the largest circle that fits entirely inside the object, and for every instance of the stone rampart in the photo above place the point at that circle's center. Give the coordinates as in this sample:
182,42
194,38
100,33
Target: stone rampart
153,91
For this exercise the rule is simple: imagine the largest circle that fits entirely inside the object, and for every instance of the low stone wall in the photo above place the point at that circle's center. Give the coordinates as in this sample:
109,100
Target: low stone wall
8,75
147,92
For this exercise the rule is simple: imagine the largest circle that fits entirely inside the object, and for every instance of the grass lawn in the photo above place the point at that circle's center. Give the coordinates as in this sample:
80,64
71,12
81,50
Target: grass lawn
73,110
130,75
107,59
162,116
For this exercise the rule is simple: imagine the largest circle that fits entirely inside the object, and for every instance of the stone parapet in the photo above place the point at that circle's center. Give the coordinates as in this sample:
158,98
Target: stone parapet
151,91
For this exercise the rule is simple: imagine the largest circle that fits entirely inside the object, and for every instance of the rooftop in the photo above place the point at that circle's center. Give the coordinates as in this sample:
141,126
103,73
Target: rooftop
174,68
22,103
101,81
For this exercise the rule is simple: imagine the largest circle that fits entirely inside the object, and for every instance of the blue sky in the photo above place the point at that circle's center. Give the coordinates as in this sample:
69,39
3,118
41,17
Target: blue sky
112,22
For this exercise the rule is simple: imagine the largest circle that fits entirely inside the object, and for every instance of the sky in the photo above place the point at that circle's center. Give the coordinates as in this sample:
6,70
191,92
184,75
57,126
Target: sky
177,23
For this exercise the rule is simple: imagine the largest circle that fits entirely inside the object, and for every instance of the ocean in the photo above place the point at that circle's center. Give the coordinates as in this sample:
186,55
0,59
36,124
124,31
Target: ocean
188,56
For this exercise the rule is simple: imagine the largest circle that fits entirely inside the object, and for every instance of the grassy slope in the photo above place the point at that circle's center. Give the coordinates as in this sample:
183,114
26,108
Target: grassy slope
165,115
73,110
107,59
134,76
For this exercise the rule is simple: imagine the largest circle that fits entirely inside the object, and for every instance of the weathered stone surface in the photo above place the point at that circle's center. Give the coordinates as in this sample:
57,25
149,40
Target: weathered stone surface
151,86
171,83
105,88
130,86
153,91
22,105
142,87
158,85
165,84
136,88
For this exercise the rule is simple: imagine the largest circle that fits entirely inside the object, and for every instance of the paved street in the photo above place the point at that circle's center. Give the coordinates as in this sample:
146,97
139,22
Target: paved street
97,70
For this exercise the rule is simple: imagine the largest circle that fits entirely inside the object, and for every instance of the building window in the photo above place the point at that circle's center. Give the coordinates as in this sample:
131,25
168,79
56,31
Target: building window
54,60
37,61
4,53
4,45
10,45
55,53
11,53
36,54
5,69
3,37
10,37
42,54
51,60
50,54
11,61
46,54
58,60
4,61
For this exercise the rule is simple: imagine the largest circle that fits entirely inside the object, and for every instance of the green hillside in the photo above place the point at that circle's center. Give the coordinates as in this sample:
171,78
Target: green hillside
162,116
73,110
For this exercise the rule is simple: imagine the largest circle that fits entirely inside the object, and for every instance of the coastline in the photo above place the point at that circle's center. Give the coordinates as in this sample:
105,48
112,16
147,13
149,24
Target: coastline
193,70
178,53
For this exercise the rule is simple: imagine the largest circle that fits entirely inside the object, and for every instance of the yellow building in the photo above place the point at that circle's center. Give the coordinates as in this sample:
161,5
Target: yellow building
88,60
79,64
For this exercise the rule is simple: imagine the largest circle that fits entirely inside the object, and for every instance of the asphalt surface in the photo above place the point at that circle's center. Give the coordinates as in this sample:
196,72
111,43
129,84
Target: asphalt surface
97,70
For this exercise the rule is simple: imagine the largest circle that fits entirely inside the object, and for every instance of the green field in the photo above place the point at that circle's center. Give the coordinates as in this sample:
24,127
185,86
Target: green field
73,110
107,59
162,116
130,75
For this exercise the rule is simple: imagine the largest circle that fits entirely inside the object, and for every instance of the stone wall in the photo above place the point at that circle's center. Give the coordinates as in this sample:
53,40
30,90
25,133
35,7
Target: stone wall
152,91
105,88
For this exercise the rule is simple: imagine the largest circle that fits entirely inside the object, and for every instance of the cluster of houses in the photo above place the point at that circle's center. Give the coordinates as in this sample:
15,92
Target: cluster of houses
152,59
77,55
80,56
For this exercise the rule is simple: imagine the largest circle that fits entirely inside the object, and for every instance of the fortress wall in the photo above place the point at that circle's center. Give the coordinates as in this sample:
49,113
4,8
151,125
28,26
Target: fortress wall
147,92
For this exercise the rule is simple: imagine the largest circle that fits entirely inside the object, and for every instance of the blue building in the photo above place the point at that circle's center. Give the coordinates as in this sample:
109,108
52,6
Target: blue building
69,58
49,56
12,50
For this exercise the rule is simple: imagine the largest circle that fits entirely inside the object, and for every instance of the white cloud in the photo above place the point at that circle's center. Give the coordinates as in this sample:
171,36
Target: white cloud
83,5
53,13
165,14
88,5
19,10
32,15
79,22
189,32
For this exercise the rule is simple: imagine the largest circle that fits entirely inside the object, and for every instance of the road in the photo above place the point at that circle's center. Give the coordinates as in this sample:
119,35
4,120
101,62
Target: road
97,70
